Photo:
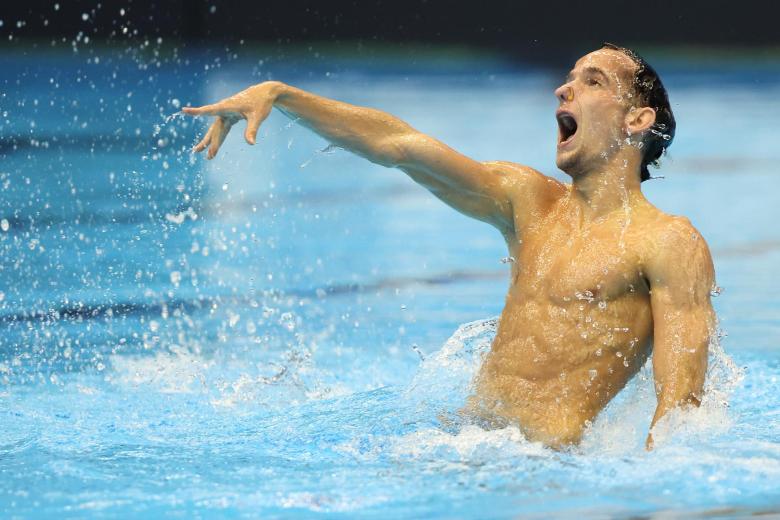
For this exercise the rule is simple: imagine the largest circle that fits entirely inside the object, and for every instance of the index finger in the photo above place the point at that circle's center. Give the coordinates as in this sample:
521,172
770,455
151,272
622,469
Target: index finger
217,109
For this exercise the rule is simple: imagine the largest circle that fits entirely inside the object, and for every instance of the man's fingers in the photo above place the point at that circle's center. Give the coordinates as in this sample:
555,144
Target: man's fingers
227,114
201,145
213,142
204,142
252,124
205,110
224,108
221,129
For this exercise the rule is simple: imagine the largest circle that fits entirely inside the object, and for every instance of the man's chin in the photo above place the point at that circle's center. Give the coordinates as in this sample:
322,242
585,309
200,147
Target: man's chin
566,163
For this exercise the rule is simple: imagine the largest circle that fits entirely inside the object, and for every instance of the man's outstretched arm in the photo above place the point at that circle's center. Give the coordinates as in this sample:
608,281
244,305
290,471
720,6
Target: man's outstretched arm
681,276
480,190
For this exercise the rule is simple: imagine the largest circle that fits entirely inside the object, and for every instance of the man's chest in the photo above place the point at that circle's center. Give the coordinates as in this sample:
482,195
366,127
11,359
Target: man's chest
565,264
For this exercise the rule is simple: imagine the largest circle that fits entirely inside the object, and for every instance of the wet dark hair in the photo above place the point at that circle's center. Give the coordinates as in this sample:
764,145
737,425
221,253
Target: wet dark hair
651,93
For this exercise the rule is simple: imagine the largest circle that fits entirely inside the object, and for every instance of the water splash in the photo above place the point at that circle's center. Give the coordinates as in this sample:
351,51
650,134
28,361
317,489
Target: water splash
445,380
471,445
623,425
328,150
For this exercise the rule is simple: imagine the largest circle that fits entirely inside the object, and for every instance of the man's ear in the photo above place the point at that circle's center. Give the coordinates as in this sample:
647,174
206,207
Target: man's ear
639,119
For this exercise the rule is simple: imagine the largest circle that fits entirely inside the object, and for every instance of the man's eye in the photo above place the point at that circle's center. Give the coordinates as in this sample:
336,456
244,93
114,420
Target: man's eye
592,81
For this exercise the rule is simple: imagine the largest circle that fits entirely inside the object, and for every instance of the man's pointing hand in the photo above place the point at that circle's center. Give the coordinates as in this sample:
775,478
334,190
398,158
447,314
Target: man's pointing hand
253,104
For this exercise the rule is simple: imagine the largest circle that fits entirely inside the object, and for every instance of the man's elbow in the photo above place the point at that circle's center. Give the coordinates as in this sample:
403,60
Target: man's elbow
399,149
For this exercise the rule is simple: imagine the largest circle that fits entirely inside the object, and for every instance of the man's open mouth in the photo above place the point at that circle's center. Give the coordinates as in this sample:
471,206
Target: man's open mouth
567,127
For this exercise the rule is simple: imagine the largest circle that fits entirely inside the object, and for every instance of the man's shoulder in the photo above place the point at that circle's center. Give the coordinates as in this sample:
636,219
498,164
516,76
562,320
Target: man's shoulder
669,232
527,180
672,243
520,170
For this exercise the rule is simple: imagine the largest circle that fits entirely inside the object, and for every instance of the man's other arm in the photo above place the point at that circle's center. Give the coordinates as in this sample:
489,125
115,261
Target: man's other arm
681,276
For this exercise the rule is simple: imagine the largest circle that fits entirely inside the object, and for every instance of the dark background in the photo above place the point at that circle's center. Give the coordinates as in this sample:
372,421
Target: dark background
525,30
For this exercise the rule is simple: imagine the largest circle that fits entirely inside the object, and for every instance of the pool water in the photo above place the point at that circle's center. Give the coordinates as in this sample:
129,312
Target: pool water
287,330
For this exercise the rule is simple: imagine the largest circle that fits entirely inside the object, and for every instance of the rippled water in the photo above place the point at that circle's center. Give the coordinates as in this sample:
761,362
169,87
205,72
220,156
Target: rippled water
252,337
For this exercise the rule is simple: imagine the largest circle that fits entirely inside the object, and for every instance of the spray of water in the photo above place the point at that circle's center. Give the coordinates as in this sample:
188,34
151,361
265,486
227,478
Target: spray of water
445,380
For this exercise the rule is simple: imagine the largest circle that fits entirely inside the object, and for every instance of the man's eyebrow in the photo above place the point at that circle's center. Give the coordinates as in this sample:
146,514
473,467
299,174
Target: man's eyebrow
588,70
596,70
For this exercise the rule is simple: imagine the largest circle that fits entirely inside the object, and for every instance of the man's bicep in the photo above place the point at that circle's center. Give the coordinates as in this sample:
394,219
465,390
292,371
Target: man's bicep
487,191
681,276
495,209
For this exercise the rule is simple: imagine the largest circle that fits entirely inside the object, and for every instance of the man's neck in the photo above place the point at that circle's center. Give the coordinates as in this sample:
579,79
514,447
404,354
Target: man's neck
601,191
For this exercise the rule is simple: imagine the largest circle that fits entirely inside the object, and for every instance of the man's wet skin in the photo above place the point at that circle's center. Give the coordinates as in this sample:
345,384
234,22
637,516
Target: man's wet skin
600,277
578,320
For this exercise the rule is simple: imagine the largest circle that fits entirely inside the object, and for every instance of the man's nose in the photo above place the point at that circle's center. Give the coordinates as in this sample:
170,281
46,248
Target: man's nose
564,93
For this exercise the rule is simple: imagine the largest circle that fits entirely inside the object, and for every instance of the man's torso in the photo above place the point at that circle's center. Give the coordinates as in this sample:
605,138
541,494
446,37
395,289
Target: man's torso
577,323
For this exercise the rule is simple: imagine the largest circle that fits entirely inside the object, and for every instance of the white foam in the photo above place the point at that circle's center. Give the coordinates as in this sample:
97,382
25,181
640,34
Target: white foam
227,383
471,445
176,371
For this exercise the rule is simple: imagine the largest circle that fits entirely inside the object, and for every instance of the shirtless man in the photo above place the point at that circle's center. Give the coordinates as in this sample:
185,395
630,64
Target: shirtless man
600,276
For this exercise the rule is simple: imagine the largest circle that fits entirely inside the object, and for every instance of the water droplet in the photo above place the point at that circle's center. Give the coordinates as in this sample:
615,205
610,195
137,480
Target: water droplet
288,321
5,225
330,149
585,295
233,319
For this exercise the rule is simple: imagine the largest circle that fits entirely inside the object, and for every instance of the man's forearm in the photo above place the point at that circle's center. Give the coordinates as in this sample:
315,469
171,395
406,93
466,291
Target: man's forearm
370,133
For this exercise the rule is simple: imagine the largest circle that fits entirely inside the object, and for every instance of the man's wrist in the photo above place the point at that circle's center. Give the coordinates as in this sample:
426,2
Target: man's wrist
275,89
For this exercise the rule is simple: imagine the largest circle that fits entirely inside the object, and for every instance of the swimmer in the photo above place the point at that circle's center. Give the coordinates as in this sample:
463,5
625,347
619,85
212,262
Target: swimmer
600,278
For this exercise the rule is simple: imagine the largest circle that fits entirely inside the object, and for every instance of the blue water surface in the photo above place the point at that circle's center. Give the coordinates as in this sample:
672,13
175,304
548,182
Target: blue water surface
284,330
